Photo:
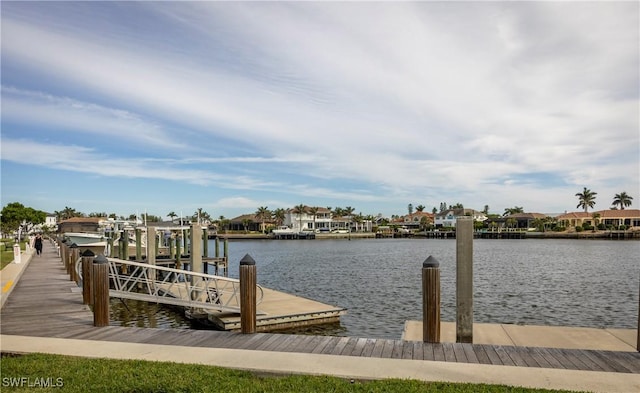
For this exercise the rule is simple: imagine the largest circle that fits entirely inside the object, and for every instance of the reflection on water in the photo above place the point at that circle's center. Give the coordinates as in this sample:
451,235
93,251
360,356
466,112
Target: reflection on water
134,313
538,282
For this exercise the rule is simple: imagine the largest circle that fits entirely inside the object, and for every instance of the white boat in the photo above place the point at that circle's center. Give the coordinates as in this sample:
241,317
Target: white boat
85,238
283,230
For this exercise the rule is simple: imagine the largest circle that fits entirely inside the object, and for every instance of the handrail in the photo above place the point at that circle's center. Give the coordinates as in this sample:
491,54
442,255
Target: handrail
159,284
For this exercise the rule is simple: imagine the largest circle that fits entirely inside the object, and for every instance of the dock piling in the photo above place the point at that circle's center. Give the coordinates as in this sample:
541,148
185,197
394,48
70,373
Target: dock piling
100,285
73,257
87,266
464,279
431,300
247,295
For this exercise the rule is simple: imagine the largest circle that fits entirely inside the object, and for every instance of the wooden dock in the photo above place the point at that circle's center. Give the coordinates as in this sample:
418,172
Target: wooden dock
45,303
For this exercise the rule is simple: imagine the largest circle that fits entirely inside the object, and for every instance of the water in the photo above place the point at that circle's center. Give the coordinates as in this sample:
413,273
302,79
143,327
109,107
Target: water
534,281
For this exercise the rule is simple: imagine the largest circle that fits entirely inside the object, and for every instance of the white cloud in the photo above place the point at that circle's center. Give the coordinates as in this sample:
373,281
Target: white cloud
472,99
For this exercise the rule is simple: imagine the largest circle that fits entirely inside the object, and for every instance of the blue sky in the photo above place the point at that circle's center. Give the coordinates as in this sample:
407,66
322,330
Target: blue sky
174,106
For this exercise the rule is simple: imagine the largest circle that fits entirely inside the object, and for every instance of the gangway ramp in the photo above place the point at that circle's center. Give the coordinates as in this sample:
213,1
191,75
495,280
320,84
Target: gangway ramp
215,299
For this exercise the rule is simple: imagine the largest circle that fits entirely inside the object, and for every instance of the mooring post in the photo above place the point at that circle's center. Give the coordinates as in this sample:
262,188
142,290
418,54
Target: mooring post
226,247
178,252
638,337
151,251
464,279
195,256
217,246
100,285
205,243
87,266
248,284
139,244
431,300
73,257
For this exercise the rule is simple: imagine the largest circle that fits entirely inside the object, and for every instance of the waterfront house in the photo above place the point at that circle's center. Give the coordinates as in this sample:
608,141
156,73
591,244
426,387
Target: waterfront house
415,221
627,217
80,224
448,217
524,220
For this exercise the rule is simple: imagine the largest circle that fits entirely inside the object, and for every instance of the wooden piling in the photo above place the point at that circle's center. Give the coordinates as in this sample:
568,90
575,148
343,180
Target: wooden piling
217,244
195,255
87,267
248,282
431,300
464,279
178,252
139,244
151,251
71,260
100,285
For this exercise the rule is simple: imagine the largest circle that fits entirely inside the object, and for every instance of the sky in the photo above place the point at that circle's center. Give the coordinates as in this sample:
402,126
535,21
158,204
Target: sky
159,107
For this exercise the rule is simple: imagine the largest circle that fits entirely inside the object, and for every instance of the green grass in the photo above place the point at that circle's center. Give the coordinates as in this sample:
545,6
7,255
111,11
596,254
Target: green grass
6,252
102,375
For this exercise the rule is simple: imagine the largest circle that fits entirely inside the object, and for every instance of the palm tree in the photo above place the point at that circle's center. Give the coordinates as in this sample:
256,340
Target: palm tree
314,212
512,210
300,210
172,215
586,198
245,224
420,208
596,218
410,209
278,216
622,199
263,213
348,211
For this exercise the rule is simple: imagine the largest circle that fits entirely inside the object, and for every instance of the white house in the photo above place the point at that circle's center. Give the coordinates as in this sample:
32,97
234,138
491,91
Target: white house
323,219
448,217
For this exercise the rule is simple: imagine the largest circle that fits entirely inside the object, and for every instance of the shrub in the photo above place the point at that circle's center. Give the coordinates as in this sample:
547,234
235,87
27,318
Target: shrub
579,229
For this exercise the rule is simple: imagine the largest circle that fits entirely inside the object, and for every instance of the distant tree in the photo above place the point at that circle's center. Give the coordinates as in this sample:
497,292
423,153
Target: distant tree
357,218
420,208
623,200
245,224
314,212
299,210
223,223
410,209
68,213
443,207
513,210
486,209
596,218
434,210
263,214
96,214
278,216
16,217
586,199
172,215
457,206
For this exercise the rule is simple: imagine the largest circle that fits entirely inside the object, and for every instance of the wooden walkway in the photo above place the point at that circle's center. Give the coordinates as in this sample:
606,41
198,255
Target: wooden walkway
45,303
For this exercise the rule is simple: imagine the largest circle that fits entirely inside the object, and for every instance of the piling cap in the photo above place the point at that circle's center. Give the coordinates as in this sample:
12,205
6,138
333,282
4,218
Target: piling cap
73,245
430,262
247,260
100,259
88,253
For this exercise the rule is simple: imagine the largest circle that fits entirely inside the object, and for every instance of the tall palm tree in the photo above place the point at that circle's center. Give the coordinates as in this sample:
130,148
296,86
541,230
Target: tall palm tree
263,214
300,210
278,215
622,199
314,212
596,219
420,208
348,211
172,215
586,198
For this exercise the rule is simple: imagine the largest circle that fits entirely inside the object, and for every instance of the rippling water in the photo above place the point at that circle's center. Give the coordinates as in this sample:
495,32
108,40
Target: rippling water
540,282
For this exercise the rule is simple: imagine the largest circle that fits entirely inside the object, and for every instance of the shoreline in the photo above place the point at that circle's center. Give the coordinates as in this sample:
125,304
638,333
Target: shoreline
522,235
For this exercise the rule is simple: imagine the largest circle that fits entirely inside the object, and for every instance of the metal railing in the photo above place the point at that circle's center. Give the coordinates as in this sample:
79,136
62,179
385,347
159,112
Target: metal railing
159,284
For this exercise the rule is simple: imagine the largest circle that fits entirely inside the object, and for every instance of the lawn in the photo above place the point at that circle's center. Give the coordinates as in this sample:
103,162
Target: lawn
50,373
